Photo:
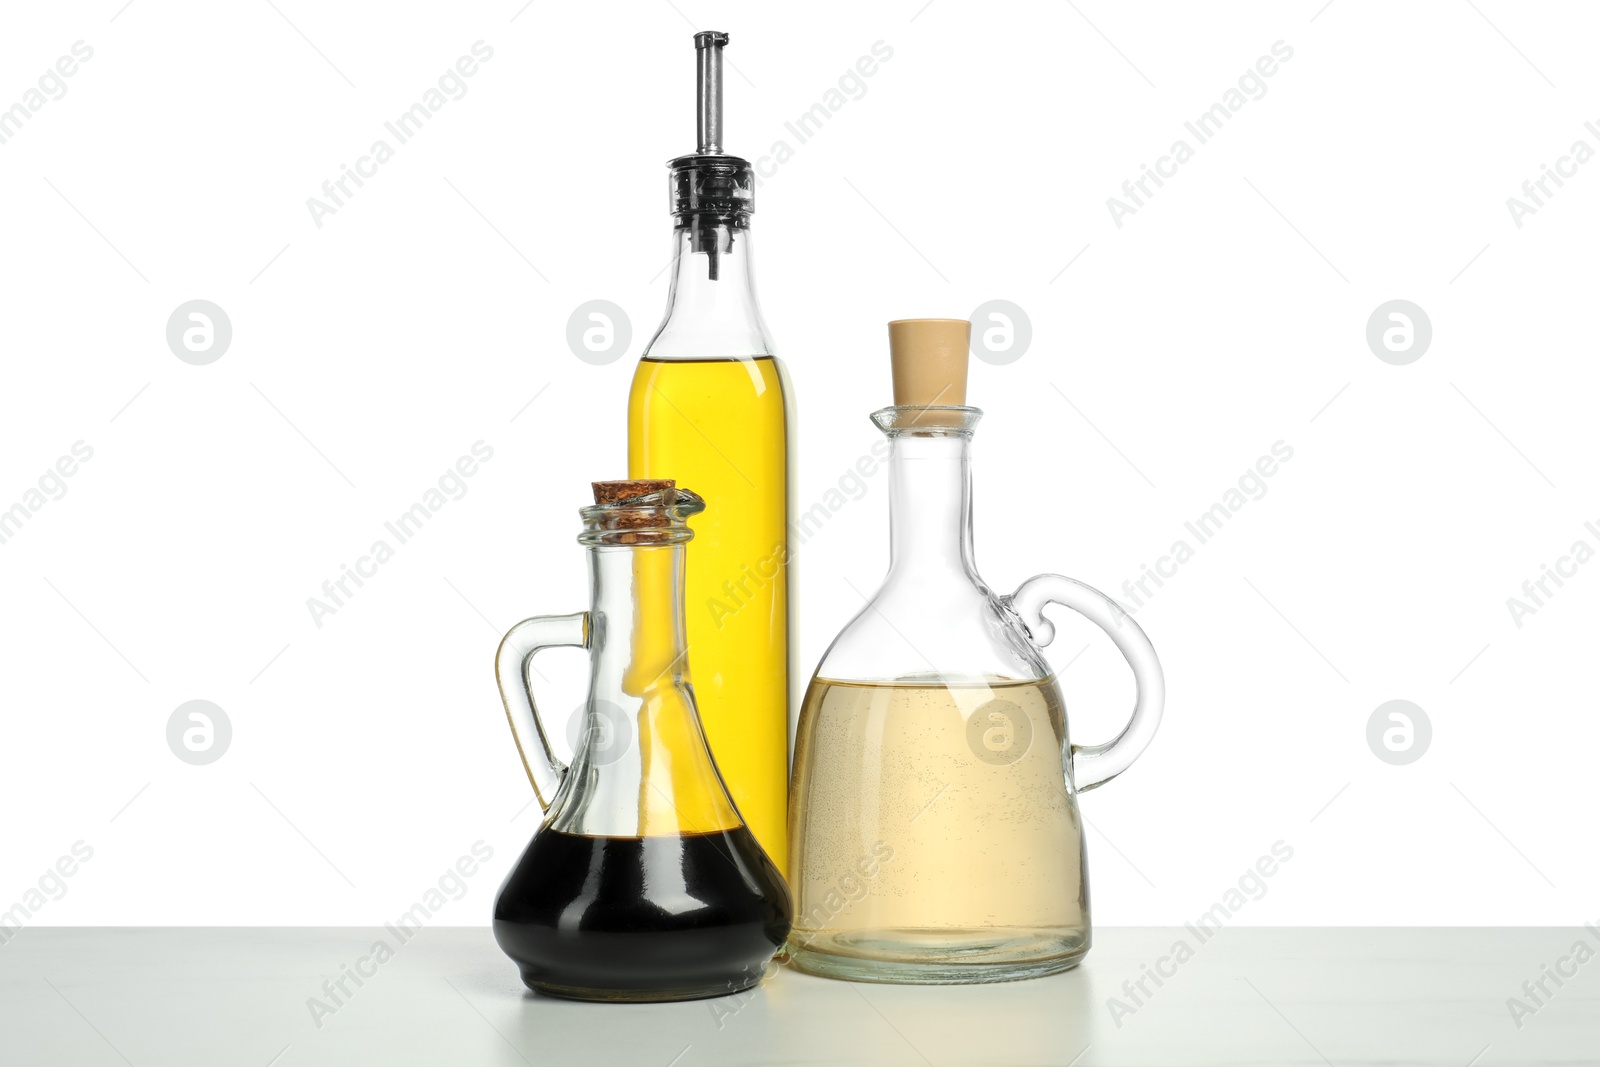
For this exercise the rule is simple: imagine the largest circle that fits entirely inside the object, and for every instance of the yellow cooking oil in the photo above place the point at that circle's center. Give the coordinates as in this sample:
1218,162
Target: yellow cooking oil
719,428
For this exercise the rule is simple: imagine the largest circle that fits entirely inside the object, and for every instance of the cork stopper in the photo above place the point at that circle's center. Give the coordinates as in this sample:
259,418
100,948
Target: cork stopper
611,493
614,492
929,361
643,511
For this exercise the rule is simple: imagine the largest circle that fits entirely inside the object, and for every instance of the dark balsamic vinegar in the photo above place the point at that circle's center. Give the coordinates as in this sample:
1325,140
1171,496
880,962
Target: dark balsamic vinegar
670,917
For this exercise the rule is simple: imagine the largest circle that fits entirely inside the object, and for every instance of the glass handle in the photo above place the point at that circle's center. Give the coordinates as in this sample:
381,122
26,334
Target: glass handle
1093,765
511,662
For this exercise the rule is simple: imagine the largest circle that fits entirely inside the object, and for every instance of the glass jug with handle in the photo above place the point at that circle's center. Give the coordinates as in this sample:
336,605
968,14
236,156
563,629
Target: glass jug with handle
934,826
643,883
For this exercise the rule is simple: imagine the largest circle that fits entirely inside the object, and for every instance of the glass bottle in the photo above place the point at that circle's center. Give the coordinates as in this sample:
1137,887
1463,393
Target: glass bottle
643,883
934,830
710,406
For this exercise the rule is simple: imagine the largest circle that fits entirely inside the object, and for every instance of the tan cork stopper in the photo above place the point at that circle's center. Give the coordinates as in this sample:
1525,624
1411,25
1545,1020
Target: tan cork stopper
929,360
616,492
612,492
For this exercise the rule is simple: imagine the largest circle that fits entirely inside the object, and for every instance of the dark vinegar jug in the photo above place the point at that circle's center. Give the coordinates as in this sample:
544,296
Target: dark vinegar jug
643,883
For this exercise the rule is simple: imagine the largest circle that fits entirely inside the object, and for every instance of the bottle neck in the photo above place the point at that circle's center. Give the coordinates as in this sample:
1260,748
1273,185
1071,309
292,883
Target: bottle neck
930,506
636,620
711,304
641,766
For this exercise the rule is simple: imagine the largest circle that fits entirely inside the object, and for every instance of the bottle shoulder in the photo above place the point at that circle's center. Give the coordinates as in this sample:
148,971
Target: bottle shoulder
954,629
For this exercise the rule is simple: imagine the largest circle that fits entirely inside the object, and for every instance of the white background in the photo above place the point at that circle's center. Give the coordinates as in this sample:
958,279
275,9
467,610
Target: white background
368,354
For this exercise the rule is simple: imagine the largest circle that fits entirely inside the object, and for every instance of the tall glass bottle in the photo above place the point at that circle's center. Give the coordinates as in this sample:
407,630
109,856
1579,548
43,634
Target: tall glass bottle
710,407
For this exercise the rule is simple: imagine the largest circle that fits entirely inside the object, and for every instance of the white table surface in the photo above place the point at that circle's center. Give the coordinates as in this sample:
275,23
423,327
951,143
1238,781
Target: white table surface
178,996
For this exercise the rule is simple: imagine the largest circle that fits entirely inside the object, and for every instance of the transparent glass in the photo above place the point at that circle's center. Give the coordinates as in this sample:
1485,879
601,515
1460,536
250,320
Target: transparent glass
643,882
712,310
934,826
710,406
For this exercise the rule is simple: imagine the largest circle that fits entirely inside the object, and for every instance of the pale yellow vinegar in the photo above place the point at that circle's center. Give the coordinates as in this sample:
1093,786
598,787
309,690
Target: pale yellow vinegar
717,426
938,833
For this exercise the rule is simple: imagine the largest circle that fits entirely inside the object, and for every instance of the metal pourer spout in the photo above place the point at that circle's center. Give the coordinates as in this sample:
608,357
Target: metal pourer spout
708,46
712,193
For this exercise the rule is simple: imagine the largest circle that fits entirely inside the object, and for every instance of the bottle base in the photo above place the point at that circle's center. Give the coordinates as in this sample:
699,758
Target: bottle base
938,959
640,919
639,996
